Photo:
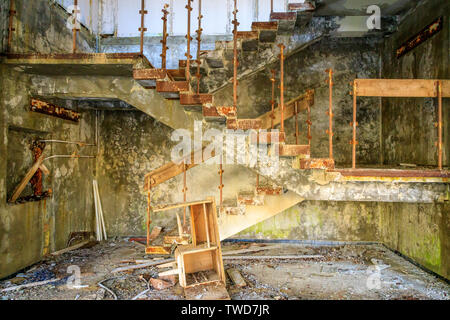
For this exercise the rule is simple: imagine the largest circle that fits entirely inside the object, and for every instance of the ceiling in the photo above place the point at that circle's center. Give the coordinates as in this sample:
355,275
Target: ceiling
359,7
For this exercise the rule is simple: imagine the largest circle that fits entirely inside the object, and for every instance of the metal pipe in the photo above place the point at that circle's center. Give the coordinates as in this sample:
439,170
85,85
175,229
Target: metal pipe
148,210
164,39
221,171
142,29
189,39
330,112
271,6
75,30
235,59
282,84
439,94
296,122
272,102
354,125
70,142
184,192
12,13
199,41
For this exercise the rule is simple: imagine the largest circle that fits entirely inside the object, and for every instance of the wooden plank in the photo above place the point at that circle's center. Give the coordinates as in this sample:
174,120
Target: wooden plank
142,265
272,257
304,100
74,247
236,277
178,205
401,88
27,178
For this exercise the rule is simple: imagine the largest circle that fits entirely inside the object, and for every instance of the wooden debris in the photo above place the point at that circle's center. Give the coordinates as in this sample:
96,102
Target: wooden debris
249,250
236,277
77,246
272,257
142,265
29,285
160,284
27,178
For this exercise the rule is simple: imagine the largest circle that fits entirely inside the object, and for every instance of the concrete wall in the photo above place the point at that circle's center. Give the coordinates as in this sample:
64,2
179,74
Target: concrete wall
29,231
41,28
409,134
349,58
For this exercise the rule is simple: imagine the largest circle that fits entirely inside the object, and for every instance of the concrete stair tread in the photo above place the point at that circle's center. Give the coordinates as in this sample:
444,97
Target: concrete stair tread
265,25
172,89
302,6
293,150
291,16
244,124
247,35
267,137
317,163
250,199
148,77
269,190
193,99
214,113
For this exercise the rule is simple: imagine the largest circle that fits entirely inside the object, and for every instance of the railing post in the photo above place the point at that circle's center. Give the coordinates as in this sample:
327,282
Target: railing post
189,39
149,186
330,112
199,40
164,38
142,29
282,85
221,171
271,6
354,125
296,122
309,123
439,124
272,102
12,13
235,59
75,29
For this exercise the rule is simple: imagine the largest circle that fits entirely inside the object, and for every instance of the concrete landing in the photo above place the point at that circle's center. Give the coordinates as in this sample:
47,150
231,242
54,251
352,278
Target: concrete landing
79,64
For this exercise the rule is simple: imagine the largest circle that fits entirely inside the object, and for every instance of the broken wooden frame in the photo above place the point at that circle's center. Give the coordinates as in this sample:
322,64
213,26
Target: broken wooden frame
400,88
199,263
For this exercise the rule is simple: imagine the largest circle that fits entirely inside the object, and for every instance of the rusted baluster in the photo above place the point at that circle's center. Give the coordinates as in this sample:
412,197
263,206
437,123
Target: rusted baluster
184,192
309,123
271,6
199,41
142,29
282,85
330,112
272,102
221,171
439,124
149,188
75,29
296,122
164,38
12,13
189,39
354,125
235,53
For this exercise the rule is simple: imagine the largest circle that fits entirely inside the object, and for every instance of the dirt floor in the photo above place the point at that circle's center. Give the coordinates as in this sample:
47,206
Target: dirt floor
336,272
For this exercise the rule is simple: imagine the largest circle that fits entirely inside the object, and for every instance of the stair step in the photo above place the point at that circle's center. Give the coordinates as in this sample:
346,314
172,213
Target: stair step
293,150
191,99
172,89
211,112
226,45
244,124
266,25
267,137
291,16
247,35
316,163
269,190
177,74
250,199
183,63
305,6
148,77
234,211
